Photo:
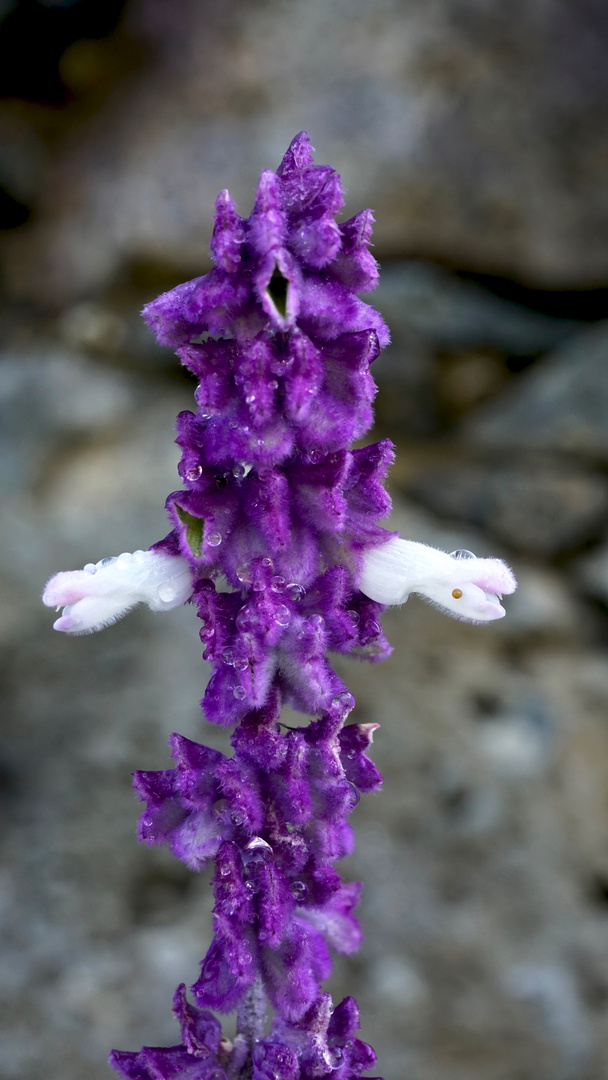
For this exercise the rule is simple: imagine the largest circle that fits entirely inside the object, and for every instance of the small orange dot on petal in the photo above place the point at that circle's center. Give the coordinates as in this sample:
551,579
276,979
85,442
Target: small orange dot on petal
457,593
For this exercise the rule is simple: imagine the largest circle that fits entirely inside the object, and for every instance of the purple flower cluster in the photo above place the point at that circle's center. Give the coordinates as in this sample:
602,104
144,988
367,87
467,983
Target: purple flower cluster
277,504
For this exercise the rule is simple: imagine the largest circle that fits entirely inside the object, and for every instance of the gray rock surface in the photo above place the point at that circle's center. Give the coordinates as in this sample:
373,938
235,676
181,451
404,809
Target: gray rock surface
477,133
561,404
533,504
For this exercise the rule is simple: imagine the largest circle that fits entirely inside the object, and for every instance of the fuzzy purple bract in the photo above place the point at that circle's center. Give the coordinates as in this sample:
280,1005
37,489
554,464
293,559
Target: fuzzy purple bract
276,505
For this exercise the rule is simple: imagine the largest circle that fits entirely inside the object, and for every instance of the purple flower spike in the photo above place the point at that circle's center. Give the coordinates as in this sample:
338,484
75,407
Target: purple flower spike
274,539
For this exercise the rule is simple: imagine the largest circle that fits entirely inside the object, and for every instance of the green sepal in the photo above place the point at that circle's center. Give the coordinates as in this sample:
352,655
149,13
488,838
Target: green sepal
194,530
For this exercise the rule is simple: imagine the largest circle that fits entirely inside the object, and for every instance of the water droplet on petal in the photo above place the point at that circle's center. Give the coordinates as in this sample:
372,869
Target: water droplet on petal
355,794
294,591
206,632
353,616
273,384
335,1057
228,656
317,621
282,615
277,585
214,539
224,871
241,664
299,890
256,851
247,619
250,887
107,562
236,818
203,414
267,562
344,701
462,553
243,574
250,399
238,471
90,568
166,593
194,473
239,693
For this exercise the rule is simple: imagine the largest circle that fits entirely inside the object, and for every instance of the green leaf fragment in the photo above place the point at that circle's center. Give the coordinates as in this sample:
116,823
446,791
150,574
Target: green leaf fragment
277,291
194,530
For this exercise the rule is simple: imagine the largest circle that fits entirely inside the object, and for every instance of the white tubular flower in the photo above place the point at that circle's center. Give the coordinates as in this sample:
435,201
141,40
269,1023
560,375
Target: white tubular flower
459,584
103,592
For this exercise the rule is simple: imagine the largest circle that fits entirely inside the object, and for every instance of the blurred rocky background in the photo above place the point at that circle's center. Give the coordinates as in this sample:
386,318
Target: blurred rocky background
477,131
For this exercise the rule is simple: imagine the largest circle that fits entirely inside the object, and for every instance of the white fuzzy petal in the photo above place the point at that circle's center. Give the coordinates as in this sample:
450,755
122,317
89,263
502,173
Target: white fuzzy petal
465,588
105,591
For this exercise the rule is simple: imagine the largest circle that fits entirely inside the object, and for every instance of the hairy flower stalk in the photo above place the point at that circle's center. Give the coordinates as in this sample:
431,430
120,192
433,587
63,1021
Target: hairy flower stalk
277,506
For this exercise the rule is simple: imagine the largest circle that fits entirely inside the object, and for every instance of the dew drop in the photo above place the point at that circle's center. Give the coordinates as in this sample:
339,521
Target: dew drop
353,616
277,584
317,621
204,414
462,553
224,871
282,615
294,591
90,568
243,574
250,887
356,797
214,539
194,473
228,656
335,1057
250,399
299,890
247,619
273,384
107,562
256,851
316,456
267,562
241,664
206,632
239,693
344,701
238,471
166,593
236,818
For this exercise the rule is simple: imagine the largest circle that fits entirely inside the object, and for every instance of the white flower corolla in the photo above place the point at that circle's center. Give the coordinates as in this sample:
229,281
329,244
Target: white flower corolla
103,592
459,584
